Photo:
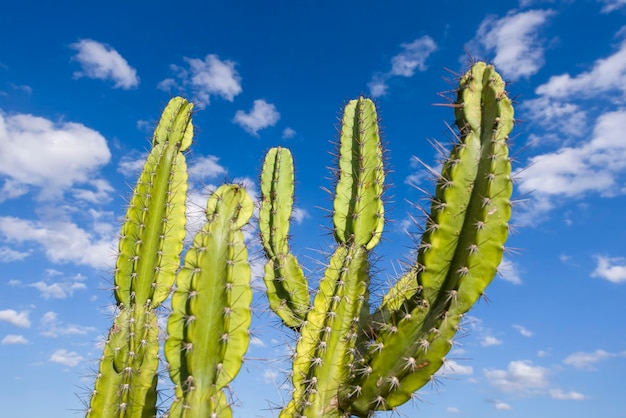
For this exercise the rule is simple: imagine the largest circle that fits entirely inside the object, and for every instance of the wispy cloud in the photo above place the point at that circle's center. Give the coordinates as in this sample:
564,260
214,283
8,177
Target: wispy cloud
13,317
490,340
514,41
612,5
206,167
13,339
7,255
66,357
588,360
606,75
411,58
51,326
561,395
522,330
261,116
288,133
52,157
102,62
58,286
206,78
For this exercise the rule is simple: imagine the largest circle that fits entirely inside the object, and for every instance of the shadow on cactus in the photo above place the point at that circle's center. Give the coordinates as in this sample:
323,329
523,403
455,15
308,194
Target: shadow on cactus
350,359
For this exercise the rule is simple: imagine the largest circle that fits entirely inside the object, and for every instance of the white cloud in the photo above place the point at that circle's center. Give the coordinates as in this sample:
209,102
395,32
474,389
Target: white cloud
261,116
206,78
60,289
411,58
522,330
14,339
606,75
63,241
66,358
489,341
612,269
502,406
51,326
565,118
584,360
559,394
593,166
7,255
515,41
612,5
105,63
452,367
53,157
19,319
288,133
130,166
206,168
256,341
453,410
507,270
521,377
299,215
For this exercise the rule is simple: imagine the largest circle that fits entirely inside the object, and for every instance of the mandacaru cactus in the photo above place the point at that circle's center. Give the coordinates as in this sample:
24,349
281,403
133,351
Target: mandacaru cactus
349,359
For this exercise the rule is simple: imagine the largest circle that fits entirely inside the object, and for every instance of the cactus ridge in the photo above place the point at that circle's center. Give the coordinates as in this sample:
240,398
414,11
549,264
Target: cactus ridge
208,327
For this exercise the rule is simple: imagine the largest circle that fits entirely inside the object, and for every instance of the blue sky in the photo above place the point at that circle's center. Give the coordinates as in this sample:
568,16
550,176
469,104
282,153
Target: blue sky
81,87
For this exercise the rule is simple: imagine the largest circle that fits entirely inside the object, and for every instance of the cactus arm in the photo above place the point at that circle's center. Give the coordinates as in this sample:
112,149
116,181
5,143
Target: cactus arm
326,349
208,328
287,289
150,244
458,257
358,209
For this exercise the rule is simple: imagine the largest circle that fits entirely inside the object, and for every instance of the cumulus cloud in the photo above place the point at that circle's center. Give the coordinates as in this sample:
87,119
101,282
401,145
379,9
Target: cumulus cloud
102,62
520,377
490,340
12,339
514,41
62,240
19,319
66,358
451,367
261,116
412,58
593,166
206,167
612,269
13,317
206,78
53,157
522,330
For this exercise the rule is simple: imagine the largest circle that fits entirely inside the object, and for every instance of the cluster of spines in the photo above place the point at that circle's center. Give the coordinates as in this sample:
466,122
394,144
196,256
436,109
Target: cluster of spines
149,248
208,327
460,250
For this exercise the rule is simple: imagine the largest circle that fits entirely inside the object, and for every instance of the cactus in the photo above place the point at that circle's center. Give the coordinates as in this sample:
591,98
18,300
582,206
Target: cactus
150,244
349,360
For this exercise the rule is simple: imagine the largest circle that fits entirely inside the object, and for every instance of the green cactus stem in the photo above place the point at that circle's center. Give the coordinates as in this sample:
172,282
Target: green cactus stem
150,244
287,289
458,256
208,328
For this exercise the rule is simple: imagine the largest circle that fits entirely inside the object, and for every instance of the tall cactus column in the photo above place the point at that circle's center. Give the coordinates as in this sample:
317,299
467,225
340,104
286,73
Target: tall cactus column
150,244
208,328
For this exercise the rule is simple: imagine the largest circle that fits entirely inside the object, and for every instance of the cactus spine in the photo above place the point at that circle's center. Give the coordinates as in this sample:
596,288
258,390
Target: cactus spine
150,244
348,362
